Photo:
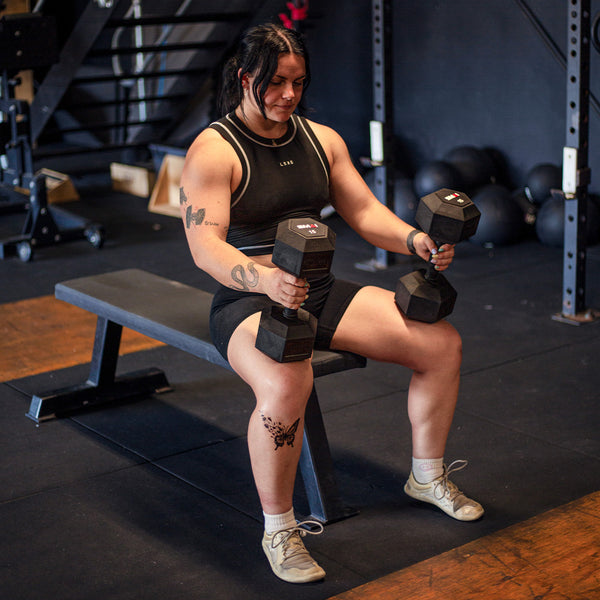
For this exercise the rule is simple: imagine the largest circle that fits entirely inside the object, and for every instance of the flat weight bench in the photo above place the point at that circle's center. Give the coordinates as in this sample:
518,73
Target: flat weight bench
177,315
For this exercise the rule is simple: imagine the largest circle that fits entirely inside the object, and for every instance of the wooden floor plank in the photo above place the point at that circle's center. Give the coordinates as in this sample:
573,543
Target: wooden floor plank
554,556
45,334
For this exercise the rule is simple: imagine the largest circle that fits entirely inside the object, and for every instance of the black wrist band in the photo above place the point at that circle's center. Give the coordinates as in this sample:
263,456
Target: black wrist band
409,240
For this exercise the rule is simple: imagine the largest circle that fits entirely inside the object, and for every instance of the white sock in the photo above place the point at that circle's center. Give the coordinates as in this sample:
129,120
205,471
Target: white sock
275,523
425,470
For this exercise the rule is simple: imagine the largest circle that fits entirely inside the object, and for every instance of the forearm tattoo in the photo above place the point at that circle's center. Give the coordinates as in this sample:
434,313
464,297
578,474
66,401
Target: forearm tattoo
280,433
246,278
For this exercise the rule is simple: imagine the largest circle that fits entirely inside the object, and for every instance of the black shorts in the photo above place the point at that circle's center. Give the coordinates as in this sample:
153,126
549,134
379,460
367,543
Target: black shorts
327,300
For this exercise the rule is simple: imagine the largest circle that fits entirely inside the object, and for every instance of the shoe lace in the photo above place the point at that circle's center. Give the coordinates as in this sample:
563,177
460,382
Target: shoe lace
448,488
291,538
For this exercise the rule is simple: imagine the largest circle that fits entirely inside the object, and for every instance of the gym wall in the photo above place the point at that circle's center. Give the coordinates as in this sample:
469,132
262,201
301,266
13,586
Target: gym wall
465,72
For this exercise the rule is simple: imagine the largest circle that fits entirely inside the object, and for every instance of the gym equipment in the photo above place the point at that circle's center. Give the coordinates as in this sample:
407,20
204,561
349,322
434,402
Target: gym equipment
500,166
29,41
593,220
501,220
303,247
436,175
448,217
474,165
541,180
383,156
528,208
550,223
576,168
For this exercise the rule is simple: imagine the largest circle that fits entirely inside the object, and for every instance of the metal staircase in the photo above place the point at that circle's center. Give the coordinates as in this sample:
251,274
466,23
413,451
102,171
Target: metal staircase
133,73
126,76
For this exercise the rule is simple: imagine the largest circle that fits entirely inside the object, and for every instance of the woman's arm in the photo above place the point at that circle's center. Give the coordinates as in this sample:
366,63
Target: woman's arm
358,206
210,172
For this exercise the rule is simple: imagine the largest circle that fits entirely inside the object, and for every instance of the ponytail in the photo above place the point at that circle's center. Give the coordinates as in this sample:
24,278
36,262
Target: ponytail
231,92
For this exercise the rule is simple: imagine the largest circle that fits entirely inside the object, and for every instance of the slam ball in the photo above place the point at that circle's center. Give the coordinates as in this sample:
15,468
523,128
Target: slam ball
435,176
541,180
500,173
593,220
501,221
550,222
475,166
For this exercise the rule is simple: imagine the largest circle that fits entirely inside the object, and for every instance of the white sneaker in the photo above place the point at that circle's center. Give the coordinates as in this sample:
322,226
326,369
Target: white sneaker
288,557
445,495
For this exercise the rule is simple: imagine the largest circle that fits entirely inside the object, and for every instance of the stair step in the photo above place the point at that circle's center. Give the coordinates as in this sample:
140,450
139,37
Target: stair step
180,19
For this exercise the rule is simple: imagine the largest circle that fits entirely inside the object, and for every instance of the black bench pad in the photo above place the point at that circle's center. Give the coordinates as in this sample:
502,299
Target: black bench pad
170,312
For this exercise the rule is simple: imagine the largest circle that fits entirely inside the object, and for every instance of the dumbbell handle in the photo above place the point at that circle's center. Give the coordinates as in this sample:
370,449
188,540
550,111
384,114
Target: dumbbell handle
431,274
290,313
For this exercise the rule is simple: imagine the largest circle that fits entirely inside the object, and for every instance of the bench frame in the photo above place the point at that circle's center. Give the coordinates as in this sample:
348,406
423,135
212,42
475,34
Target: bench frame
136,299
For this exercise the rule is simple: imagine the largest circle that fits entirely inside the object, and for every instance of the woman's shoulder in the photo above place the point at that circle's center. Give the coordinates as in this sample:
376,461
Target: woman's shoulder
210,157
209,143
330,139
318,127
324,132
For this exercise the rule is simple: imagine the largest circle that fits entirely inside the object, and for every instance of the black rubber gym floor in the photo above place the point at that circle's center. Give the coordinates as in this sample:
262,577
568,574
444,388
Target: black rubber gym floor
155,498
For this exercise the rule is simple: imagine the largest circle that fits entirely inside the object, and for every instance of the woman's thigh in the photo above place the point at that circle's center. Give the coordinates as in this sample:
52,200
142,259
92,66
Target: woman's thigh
374,327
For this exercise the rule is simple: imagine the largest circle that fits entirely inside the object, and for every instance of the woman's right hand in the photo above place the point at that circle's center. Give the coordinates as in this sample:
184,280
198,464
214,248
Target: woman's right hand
285,288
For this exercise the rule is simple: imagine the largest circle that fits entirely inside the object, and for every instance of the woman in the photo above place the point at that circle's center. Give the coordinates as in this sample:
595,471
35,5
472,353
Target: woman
262,164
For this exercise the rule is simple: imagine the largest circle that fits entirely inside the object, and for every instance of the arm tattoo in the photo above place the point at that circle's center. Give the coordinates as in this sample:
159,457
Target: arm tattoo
245,280
191,216
194,217
280,433
182,197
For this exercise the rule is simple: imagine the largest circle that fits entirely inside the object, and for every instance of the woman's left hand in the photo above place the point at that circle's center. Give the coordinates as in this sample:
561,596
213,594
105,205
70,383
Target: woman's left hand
427,250
443,257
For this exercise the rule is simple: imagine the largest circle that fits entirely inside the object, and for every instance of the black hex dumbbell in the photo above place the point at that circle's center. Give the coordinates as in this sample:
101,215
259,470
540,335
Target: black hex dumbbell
448,217
303,247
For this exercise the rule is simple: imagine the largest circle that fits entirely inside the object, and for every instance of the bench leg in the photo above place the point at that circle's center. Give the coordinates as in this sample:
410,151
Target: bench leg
102,386
106,353
316,467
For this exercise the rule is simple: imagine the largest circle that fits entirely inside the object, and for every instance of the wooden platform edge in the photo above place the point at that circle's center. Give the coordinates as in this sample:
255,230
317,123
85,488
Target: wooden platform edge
552,555
43,334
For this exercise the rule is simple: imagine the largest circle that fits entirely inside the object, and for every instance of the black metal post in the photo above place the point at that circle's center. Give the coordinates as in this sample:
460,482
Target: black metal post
576,172
382,125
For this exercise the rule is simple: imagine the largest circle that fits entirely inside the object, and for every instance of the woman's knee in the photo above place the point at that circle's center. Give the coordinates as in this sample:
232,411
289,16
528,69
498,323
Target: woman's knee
439,348
285,389
452,345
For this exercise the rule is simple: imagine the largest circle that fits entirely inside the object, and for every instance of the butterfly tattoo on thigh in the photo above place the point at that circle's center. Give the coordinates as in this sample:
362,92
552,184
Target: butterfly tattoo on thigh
280,433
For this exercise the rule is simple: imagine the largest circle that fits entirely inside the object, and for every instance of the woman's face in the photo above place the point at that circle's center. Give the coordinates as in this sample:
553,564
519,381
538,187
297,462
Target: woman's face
284,91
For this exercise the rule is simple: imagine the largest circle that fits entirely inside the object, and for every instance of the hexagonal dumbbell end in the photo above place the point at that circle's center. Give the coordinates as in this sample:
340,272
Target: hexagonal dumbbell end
304,247
286,339
447,216
421,300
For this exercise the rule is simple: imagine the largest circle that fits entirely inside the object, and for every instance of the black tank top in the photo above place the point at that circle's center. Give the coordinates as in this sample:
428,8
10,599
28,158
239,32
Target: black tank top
281,179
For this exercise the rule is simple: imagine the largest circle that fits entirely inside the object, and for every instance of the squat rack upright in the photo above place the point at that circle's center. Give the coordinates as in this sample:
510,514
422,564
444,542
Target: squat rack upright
576,171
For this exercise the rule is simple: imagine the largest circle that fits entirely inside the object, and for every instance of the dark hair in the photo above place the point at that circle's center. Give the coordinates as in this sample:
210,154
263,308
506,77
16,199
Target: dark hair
258,55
